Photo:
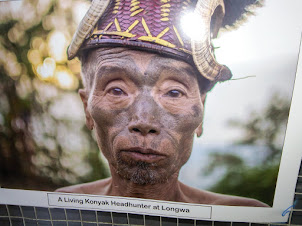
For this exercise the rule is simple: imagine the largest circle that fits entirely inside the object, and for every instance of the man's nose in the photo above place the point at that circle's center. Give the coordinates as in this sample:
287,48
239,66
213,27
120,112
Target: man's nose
145,116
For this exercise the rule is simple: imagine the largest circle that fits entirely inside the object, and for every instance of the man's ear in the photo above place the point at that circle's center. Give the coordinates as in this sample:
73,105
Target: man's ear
84,96
199,129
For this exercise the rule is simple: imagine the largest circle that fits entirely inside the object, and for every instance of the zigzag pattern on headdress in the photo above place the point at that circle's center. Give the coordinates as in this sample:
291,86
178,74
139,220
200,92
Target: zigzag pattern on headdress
138,24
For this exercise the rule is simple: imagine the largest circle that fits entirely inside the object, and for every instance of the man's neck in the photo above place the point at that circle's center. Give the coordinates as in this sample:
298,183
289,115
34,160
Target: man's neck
168,190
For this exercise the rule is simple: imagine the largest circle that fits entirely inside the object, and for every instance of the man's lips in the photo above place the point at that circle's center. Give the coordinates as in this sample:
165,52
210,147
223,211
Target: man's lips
141,154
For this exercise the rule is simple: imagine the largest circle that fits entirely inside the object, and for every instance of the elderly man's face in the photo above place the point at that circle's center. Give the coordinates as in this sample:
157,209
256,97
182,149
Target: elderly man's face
144,109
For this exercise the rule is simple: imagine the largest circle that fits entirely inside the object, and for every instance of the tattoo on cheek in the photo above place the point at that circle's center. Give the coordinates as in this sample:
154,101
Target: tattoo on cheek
196,110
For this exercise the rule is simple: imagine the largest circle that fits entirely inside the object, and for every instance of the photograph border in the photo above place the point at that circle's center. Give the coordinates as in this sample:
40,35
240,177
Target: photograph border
279,212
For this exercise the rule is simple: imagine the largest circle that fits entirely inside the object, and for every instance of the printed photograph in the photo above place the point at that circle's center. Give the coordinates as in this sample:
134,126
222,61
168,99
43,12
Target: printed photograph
175,100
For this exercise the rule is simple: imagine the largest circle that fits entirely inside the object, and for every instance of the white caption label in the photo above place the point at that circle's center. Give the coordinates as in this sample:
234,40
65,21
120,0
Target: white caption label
140,206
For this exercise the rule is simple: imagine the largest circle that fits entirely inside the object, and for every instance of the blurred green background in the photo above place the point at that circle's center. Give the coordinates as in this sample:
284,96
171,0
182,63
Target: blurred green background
42,146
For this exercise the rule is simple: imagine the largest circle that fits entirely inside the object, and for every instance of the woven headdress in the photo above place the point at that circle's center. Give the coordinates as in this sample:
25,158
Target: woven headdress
155,25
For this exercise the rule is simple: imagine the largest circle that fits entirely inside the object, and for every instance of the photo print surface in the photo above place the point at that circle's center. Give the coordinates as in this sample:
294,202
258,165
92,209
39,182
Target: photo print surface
237,127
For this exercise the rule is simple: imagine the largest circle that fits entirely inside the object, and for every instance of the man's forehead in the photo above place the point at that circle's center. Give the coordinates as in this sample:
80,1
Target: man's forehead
136,60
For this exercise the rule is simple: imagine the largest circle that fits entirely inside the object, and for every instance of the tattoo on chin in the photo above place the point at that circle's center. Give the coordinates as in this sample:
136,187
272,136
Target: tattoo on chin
141,173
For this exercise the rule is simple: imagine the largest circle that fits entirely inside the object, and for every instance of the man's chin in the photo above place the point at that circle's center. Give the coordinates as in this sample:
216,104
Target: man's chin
141,173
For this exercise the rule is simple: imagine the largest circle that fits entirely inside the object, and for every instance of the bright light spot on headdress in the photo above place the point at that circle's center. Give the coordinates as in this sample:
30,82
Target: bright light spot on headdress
193,26
57,45
46,70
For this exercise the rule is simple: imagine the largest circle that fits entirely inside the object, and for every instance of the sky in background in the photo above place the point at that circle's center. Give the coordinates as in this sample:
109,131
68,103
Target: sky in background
265,47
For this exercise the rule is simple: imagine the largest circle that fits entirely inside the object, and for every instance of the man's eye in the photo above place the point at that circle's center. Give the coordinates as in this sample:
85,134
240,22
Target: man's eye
174,93
117,92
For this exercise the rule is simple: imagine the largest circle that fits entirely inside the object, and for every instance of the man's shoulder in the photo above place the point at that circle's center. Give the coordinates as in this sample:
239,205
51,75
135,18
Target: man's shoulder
98,187
194,195
230,200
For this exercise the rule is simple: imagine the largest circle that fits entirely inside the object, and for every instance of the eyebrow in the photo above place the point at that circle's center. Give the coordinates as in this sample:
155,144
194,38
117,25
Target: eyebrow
111,72
177,74
184,70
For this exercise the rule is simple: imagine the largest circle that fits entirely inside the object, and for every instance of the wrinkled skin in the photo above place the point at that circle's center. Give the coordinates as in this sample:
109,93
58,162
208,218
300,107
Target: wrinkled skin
145,109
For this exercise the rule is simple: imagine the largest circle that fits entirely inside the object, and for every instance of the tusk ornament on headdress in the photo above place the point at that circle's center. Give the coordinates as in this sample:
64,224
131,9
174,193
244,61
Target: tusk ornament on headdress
92,16
202,49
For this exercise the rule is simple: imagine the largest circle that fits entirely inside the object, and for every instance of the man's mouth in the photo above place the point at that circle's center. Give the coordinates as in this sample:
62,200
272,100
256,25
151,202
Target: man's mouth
141,154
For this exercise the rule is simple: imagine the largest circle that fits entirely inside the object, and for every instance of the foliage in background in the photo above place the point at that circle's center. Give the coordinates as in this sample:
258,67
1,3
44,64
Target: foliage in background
265,129
44,143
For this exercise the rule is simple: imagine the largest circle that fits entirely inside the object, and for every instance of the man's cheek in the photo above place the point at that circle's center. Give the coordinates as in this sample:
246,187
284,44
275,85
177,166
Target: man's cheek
110,125
185,114
185,122
197,111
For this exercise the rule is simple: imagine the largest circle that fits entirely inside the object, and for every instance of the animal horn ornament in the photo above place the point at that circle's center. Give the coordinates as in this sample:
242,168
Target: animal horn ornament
203,57
154,25
87,24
